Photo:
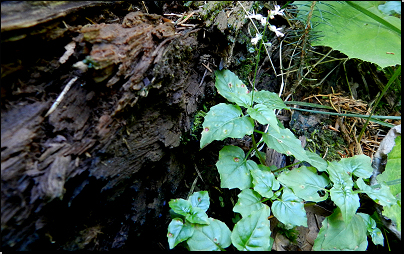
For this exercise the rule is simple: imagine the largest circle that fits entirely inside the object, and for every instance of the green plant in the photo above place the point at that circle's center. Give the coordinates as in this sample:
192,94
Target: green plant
262,192
268,190
343,25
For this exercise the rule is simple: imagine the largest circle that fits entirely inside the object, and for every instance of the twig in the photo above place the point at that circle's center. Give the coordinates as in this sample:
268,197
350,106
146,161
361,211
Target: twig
188,25
248,16
173,14
203,77
207,67
192,187
280,63
91,21
61,96
147,11
190,15
199,174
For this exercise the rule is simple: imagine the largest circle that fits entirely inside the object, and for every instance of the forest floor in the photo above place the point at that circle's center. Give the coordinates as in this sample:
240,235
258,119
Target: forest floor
211,37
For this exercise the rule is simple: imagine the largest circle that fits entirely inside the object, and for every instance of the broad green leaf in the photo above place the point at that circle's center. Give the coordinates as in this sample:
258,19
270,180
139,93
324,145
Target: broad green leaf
192,214
232,88
393,172
393,167
264,115
335,234
382,195
248,201
290,210
178,232
359,165
234,170
200,199
223,121
252,233
341,192
269,99
394,213
377,236
197,215
264,181
212,237
180,206
373,231
316,161
285,142
344,28
305,183
346,200
338,175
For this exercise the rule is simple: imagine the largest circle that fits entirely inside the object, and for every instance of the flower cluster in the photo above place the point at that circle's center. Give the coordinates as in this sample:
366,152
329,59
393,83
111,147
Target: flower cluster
263,21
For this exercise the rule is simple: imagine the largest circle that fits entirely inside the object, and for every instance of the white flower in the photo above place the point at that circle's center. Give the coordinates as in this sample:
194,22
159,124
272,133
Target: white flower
275,12
276,30
255,40
263,21
259,17
254,16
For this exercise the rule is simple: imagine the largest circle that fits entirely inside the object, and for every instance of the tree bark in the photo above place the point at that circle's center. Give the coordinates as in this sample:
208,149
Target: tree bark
95,97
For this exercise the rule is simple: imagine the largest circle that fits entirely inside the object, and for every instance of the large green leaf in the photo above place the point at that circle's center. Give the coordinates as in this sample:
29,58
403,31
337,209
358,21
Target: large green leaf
346,200
212,237
192,214
337,235
338,175
197,215
316,161
391,173
373,231
393,167
252,233
200,199
342,193
305,182
248,201
354,33
180,206
264,181
269,99
382,195
178,232
359,165
264,115
394,213
232,88
285,142
290,210
234,170
223,121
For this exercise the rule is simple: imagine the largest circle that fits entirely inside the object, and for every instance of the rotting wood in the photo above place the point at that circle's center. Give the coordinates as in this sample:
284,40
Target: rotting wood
141,96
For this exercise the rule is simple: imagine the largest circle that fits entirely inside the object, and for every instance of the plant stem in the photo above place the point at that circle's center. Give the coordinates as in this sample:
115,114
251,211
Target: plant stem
350,115
391,81
256,150
304,43
256,66
288,166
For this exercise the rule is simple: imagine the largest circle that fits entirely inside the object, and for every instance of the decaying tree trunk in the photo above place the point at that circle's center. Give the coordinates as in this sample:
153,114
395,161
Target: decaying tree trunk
91,122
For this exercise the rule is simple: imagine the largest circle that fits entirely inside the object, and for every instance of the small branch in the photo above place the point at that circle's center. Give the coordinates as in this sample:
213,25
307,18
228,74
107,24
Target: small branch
61,96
